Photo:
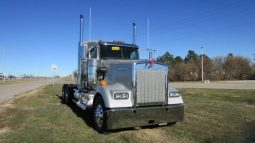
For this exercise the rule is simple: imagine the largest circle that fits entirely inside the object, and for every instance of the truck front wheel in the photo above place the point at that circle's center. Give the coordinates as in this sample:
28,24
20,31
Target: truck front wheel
99,115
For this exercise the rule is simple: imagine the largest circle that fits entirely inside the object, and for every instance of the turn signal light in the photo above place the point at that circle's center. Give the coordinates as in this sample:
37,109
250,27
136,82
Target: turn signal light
103,83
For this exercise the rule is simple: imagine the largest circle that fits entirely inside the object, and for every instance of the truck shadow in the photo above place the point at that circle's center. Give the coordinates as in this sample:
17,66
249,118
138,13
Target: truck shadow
250,131
138,128
87,117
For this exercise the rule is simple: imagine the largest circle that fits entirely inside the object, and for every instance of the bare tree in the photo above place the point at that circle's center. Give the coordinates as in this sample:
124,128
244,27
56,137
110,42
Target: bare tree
218,72
237,67
253,71
182,71
219,68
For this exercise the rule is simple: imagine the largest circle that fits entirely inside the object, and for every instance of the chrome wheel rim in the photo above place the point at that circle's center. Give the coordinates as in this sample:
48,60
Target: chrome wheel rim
99,116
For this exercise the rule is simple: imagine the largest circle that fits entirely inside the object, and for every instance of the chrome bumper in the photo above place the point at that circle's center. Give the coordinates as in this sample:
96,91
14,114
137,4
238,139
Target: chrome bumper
135,117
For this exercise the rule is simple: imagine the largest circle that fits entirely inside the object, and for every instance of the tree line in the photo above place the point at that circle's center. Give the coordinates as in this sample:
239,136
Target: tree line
228,67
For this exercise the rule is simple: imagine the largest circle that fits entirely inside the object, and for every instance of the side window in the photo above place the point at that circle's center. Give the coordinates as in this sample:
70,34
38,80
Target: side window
133,55
93,52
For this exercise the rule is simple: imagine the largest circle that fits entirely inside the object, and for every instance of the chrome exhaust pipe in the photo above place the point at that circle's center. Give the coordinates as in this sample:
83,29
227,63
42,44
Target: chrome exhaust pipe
80,50
81,29
134,33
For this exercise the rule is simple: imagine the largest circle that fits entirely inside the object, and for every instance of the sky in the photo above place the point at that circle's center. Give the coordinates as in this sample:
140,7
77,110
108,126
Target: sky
34,34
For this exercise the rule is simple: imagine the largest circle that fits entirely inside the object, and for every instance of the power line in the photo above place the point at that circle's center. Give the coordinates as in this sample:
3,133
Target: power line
212,15
211,31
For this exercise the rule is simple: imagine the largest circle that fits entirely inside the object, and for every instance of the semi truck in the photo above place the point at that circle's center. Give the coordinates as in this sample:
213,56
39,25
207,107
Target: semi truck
120,89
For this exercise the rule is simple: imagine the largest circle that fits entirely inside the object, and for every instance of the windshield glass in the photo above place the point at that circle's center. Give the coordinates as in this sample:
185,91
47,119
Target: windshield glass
118,52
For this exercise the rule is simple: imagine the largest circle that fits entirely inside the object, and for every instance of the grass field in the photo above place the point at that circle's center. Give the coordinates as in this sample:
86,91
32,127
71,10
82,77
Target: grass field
211,116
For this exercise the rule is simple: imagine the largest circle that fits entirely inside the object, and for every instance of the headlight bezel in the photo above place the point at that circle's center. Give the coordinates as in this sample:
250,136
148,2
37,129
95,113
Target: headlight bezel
120,95
174,93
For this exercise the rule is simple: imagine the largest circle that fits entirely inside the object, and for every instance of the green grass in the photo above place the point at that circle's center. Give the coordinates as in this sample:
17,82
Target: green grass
211,115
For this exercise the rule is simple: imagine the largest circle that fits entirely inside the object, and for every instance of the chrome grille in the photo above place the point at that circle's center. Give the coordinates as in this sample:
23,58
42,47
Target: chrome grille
151,87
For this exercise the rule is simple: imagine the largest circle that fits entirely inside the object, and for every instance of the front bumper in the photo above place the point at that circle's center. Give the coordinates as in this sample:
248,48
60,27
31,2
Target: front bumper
143,116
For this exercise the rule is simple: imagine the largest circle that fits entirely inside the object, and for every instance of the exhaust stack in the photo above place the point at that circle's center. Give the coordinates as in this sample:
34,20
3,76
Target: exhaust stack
134,33
81,29
81,50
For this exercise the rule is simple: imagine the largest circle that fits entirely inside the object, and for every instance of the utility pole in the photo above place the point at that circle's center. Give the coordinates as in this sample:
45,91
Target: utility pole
3,64
202,63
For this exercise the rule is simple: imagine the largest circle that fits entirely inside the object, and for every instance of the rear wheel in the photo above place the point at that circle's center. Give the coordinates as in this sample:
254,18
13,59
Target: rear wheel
99,115
68,95
63,94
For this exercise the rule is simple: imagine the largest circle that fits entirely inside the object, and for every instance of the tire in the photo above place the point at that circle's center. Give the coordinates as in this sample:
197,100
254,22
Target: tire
68,96
68,93
99,115
63,94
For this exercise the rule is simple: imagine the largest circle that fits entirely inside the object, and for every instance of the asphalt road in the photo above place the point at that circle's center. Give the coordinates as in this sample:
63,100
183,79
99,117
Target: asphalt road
241,84
8,91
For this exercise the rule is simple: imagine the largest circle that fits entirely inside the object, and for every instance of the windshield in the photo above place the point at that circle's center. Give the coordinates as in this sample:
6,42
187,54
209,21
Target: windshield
118,52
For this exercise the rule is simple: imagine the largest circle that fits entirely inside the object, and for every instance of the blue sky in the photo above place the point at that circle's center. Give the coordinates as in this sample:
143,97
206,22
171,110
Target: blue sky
37,33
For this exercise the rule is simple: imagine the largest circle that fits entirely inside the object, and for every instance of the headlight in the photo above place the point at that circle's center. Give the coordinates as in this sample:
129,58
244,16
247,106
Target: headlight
174,93
120,96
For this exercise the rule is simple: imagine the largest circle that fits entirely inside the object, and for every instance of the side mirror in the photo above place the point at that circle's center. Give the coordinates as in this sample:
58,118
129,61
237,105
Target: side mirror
101,73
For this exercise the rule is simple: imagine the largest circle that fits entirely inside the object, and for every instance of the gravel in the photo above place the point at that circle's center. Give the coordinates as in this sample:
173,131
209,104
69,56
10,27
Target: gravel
241,84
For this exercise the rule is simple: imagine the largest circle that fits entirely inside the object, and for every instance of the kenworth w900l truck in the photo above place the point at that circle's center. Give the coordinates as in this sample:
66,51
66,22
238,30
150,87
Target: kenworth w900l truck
122,90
